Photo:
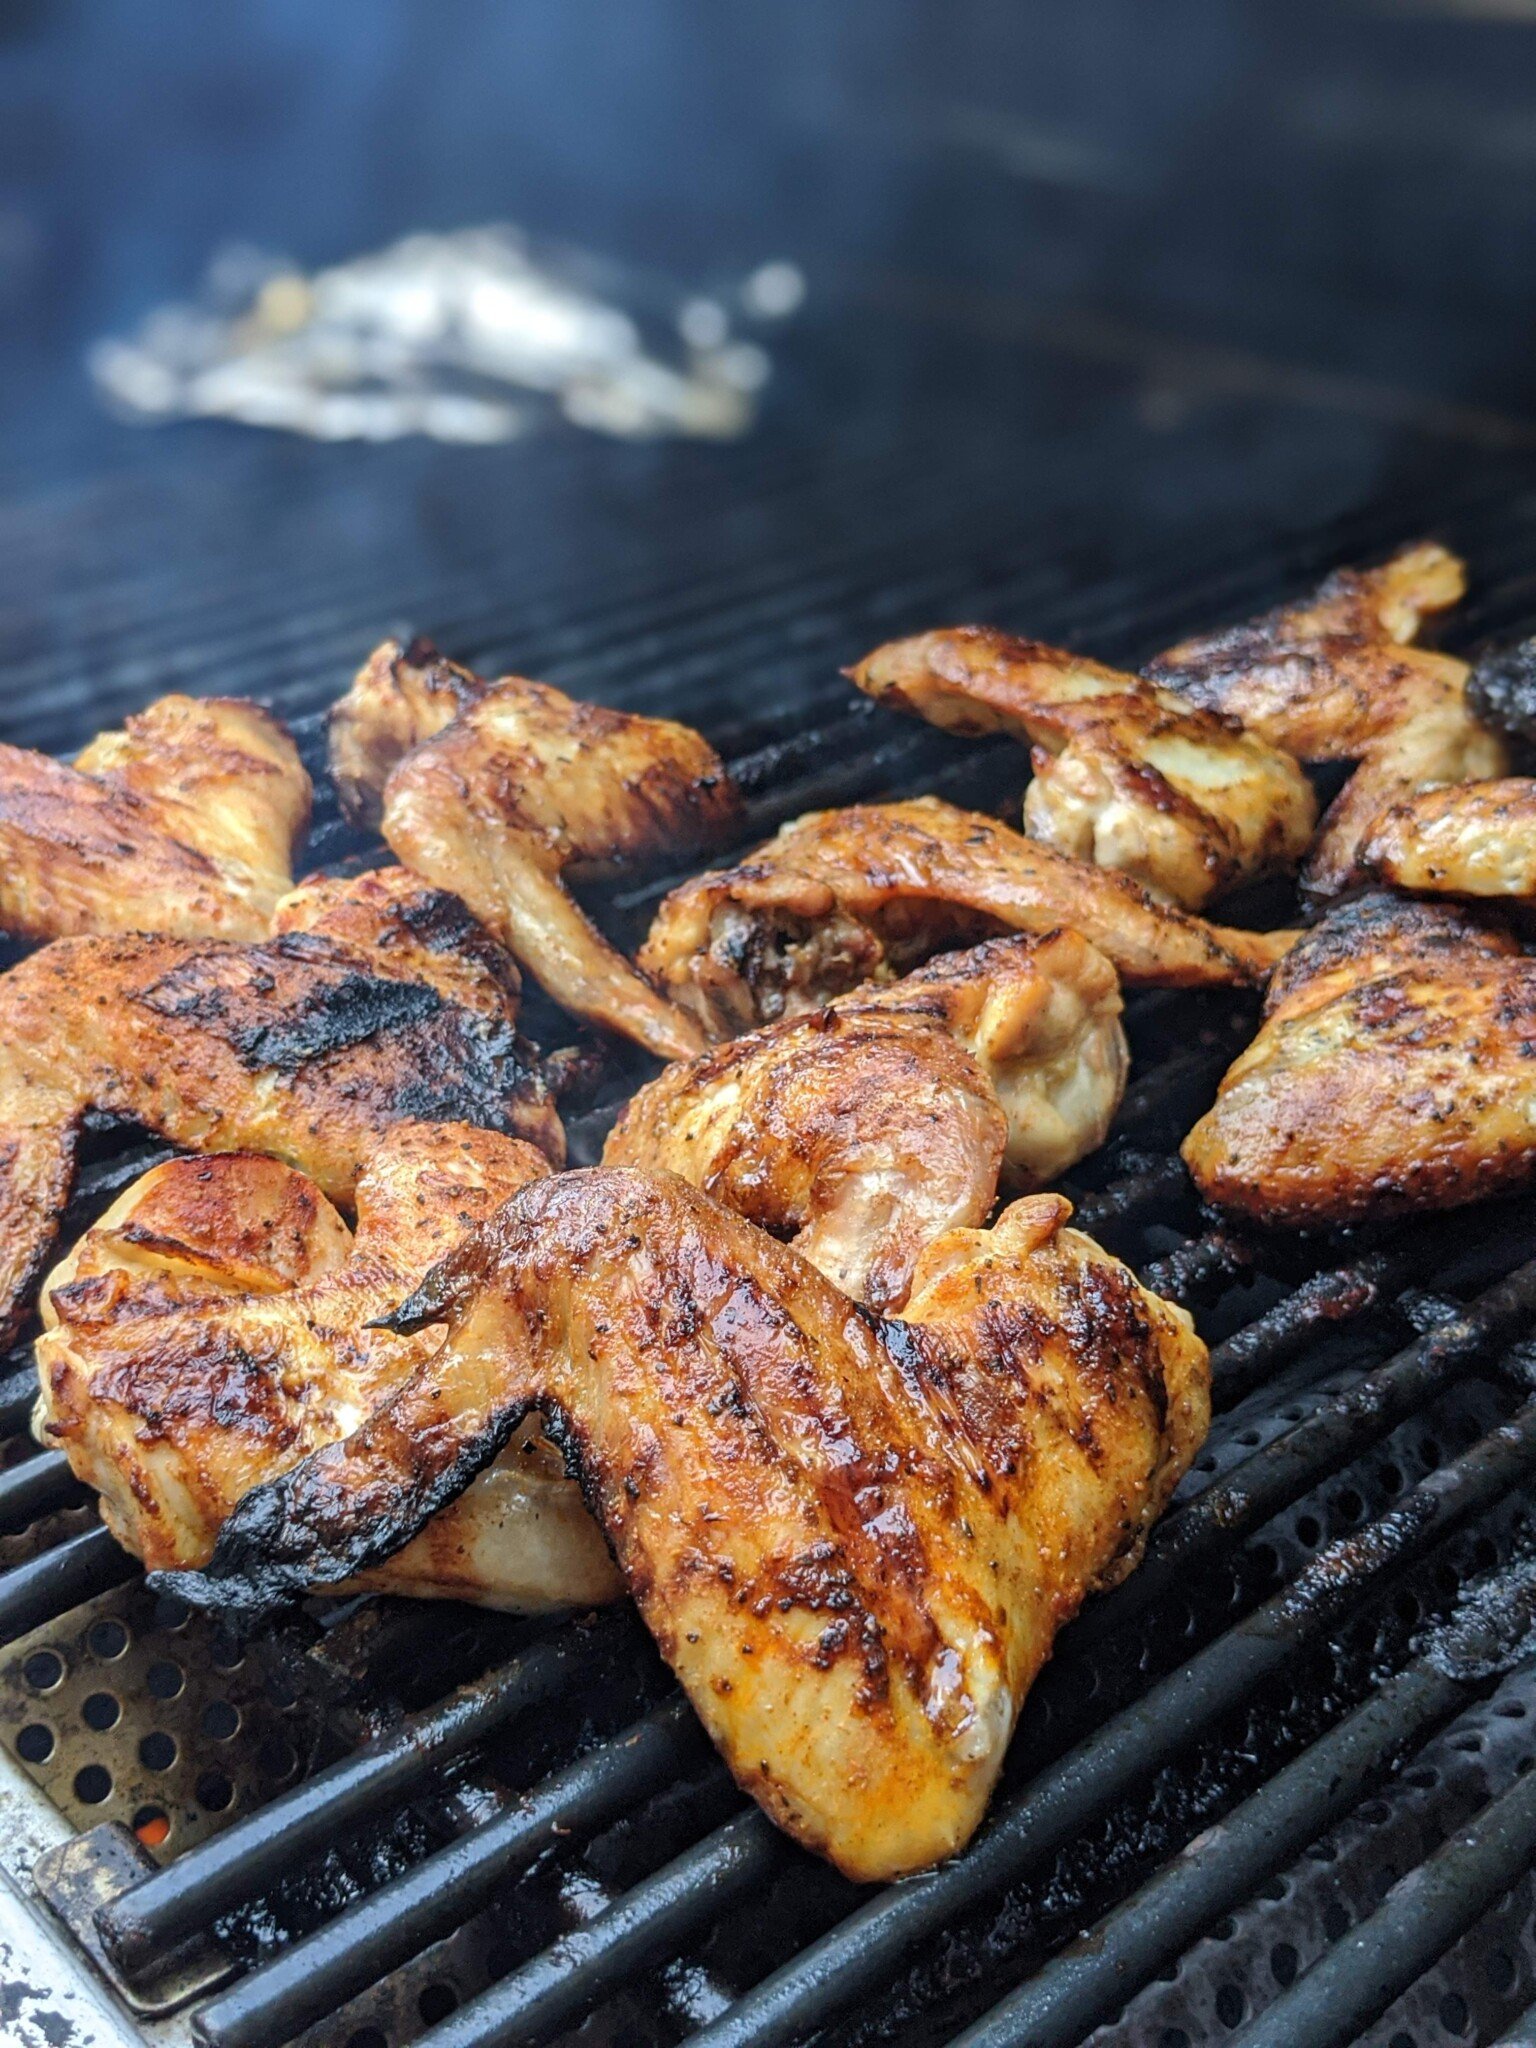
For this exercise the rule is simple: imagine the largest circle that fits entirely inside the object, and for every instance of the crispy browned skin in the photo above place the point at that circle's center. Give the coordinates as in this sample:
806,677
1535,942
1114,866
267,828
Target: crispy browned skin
185,822
1393,1072
1127,775
864,894
307,1047
212,1329
864,1131
499,790
1468,839
853,1540
1333,679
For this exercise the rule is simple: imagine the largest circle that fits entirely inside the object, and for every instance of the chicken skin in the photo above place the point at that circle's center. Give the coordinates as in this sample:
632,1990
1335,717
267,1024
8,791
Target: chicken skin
498,790
1392,1073
1334,679
307,1046
854,1540
864,894
213,1328
183,823
864,1131
1466,839
1126,775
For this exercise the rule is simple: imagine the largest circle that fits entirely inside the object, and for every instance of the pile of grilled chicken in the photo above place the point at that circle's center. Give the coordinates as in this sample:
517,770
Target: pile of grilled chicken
855,1438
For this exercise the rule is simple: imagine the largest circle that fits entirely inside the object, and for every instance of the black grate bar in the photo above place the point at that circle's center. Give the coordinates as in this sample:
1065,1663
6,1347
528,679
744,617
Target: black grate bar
35,1488
61,1578
1249,1356
660,1914
243,1860
869,1946
424,1903
1094,1977
1522,2034
1420,1918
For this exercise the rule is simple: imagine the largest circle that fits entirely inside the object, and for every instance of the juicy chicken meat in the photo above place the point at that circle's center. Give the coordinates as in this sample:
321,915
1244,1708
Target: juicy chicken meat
185,822
854,1540
864,1131
307,1046
1333,679
864,894
213,1329
499,790
1465,839
1126,775
1392,1073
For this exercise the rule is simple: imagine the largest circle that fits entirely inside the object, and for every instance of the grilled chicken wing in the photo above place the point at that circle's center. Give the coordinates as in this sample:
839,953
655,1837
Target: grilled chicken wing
1392,1073
842,897
213,1328
1333,679
307,1046
1127,775
1466,839
864,1131
185,822
522,786
854,1540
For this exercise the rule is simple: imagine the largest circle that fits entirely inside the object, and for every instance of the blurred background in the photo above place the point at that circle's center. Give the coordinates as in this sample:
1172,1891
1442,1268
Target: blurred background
1081,285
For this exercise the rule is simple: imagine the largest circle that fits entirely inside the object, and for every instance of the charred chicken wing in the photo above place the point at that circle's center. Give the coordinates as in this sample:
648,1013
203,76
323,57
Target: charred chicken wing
1333,679
185,823
214,1327
854,1540
864,1131
1127,775
864,894
500,790
307,1046
1393,1072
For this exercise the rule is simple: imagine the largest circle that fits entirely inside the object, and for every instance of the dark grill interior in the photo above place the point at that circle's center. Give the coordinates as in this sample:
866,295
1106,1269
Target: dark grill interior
1320,1677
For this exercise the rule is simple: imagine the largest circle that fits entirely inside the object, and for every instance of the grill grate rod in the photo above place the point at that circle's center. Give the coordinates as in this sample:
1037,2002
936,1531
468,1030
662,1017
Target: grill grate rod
1422,1916
1089,1981
70,1573
1522,2034
444,1891
873,1943
36,1487
187,1895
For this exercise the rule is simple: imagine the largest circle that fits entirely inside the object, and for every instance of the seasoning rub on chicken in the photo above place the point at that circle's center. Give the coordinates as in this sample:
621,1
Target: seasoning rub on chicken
854,1540
184,823
864,894
500,790
308,1046
1126,775
864,1131
215,1326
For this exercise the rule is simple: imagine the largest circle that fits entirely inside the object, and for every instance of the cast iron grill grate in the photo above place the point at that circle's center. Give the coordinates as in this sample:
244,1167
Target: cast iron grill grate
385,1859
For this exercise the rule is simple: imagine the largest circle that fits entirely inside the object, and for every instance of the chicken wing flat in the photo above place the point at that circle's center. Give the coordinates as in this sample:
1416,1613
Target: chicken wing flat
864,894
1126,775
307,1046
1392,1073
214,1328
400,696
522,786
185,823
864,1131
1333,679
853,1540
1467,839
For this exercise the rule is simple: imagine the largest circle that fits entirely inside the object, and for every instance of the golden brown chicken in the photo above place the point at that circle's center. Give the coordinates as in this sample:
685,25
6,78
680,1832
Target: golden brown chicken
1393,1072
853,1540
864,894
1126,775
864,1131
307,1046
500,790
1333,679
1465,839
213,1328
185,822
